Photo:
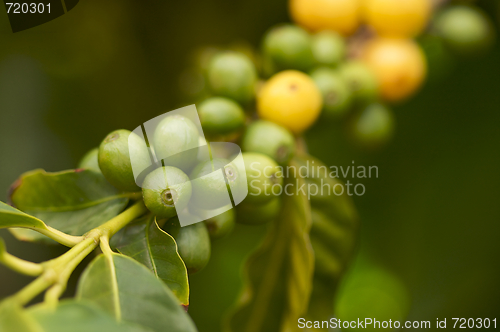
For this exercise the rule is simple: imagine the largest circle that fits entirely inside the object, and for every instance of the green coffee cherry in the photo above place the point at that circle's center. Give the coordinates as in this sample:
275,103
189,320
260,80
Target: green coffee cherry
90,160
335,91
193,243
465,29
114,158
361,81
173,135
165,190
220,116
220,225
288,47
373,126
270,139
256,214
246,48
232,75
264,178
203,151
210,190
328,48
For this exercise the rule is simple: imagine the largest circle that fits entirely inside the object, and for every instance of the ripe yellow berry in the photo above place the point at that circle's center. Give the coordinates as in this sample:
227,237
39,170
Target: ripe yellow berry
397,18
291,99
342,16
399,65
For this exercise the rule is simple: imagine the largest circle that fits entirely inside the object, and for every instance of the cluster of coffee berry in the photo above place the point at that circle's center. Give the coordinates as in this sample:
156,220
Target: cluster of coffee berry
342,60
327,65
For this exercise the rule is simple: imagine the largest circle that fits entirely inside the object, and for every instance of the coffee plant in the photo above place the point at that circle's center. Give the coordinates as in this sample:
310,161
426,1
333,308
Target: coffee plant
324,67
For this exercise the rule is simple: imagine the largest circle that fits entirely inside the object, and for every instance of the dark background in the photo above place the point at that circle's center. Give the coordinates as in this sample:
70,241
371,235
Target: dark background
432,217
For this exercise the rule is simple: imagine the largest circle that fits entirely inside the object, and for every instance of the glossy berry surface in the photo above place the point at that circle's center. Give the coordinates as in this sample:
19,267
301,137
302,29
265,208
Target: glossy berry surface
397,18
210,189
337,97
114,158
193,243
465,30
342,16
329,48
373,126
269,139
291,99
361,81
166,190
222,224
232,75
288,47
264,178
220,116
175,140
399,65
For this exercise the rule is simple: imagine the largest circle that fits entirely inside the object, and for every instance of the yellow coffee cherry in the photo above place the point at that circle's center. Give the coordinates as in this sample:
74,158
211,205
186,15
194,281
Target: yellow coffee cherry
342,16
397,18
399,65
291,99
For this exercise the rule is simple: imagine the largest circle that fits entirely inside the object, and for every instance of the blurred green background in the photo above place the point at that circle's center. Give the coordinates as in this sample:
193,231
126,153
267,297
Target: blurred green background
432,218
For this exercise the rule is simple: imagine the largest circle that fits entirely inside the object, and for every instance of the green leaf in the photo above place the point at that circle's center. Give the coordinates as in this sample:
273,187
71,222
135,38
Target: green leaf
14,319
148,244
333,249
333,237
12,217
127,290
278,276
73,202
77,316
